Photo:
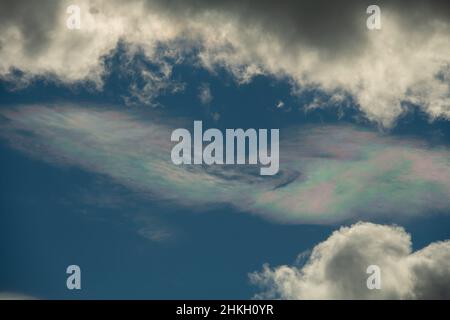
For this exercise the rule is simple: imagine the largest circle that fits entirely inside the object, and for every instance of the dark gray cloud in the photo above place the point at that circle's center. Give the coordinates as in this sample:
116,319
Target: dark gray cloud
35,21
331,26
319,44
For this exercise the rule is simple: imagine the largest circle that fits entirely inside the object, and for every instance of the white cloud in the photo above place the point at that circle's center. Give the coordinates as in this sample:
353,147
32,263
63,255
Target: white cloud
381,69
336,268
280,104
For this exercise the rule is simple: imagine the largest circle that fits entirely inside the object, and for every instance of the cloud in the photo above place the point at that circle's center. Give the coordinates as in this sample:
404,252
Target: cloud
205,94
146,83
328,174
280,104
315,44
156,235
152,229
14,296
345,172
336,268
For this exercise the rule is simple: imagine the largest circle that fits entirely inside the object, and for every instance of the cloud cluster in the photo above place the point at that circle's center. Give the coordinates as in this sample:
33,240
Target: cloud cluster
328,174
315,44
336,268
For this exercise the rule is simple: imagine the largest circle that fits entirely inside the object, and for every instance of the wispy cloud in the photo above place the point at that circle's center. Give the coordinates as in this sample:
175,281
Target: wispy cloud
205,94
328,174
15,296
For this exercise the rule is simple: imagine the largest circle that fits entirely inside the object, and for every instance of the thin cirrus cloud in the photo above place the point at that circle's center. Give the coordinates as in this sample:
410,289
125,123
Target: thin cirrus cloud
15,296
336,268
315,44
328,174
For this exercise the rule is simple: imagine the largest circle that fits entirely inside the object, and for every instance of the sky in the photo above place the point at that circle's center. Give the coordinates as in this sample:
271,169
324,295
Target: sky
86,117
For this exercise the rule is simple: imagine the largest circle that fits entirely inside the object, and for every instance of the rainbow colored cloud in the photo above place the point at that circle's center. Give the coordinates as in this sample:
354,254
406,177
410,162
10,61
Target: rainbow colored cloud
328,174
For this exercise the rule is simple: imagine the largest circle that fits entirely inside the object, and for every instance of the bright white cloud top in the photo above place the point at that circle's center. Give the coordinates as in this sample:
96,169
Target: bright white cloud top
336,268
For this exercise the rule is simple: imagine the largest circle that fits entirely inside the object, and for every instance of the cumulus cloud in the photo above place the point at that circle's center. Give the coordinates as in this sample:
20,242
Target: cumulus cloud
328,174
313,43
336,268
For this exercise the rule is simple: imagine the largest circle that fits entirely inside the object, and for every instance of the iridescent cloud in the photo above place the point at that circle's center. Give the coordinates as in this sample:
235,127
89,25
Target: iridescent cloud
328,174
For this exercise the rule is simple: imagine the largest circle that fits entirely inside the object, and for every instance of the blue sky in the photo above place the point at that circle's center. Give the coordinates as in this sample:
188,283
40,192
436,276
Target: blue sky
87,177
209,254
